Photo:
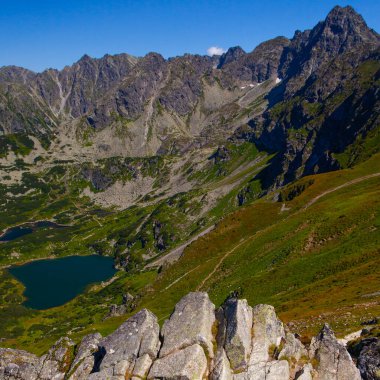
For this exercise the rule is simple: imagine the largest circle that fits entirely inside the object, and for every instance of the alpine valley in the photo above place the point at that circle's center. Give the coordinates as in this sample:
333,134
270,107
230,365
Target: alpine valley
214,183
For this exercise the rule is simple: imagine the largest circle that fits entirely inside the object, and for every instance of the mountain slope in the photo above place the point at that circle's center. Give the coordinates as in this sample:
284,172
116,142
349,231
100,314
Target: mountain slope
139,156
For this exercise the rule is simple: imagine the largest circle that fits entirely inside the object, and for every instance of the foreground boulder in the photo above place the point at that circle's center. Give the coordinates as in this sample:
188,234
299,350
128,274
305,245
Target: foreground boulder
135,340
187,364
190,323
333,360
17,364
366,350
84,361
234,342
369,359
238,341
21,365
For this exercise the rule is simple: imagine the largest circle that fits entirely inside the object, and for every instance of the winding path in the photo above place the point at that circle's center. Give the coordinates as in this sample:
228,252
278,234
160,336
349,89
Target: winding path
315,199
176,253
352,182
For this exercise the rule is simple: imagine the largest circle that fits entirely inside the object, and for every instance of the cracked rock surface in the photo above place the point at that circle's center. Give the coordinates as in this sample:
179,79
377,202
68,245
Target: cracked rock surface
234,342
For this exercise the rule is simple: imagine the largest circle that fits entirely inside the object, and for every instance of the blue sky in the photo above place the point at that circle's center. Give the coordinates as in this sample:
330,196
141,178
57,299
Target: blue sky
51,33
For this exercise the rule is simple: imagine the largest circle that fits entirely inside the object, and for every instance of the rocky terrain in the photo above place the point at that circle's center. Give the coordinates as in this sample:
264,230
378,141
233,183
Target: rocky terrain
287,93
199,173
198,341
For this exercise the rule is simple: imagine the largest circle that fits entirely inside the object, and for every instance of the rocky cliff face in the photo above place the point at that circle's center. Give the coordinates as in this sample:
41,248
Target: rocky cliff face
198,341
307,99
327,101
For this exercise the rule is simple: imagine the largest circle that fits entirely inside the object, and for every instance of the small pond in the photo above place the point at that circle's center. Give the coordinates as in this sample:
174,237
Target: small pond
27,228
53,282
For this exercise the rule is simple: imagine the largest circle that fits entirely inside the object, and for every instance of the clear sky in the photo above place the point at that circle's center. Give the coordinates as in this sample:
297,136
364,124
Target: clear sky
38,34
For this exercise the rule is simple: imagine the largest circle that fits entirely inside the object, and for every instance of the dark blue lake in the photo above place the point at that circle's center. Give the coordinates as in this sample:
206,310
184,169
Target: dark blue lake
27,228
54,282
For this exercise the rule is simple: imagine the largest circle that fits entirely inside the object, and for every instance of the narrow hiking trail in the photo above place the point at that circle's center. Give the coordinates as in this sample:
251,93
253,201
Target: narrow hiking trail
311,202
352,182
176,253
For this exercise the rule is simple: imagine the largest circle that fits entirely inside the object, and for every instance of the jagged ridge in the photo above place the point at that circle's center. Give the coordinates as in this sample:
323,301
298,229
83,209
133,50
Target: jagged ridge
235,341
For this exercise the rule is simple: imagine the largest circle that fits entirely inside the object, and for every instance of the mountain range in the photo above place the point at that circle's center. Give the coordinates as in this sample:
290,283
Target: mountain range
250,173
293,97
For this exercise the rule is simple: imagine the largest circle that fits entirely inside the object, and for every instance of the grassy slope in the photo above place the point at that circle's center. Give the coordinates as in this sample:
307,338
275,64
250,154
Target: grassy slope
311,264
315,263
92,229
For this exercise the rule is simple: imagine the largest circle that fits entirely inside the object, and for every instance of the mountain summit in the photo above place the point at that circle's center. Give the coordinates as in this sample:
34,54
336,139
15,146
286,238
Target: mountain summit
250,173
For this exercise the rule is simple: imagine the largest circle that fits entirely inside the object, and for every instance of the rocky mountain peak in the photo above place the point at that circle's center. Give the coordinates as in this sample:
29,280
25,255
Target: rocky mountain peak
343,30
231,55
257,66
15,74
348,28
85,58
340,15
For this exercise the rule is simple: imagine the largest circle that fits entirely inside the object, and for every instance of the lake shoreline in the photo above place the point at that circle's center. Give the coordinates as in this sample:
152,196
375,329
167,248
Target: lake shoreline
51,283
20,225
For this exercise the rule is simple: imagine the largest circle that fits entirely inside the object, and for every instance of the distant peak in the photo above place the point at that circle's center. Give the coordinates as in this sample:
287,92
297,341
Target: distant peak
347,9
234,50
85,58
339,13
232,54
346,21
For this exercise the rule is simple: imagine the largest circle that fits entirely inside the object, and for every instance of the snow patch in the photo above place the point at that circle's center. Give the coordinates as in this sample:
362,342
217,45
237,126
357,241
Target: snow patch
252,85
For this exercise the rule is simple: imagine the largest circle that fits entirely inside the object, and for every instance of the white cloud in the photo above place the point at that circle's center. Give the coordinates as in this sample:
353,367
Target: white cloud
215,50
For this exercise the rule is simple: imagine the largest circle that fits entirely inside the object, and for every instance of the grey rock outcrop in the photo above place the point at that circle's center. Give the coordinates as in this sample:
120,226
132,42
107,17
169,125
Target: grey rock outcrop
222,367
305,373
293,348
21,365
369,358
187,364
56,362
234,342
191,323
268,331
137,337
16,364
84,361
238,333
334,362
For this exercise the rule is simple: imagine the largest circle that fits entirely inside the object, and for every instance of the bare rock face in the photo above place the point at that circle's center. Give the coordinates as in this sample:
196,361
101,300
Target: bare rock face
275,370
293,348
295,352
84,361
334,362
222,367
187,364
305,373
21,365
142,366
15,364
191,323
56,362
137,337
369,358
268,331
238,332
234,342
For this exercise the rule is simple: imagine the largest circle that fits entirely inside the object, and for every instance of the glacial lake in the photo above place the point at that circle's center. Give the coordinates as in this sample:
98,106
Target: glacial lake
27,228
53,282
